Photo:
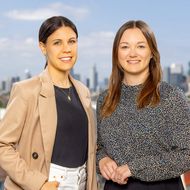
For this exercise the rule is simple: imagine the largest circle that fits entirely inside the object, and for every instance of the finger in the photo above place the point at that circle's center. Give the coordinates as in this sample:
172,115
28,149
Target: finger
116,175
122,182
55,183
106,172
105,175
121,174
113,166
115,178
108,169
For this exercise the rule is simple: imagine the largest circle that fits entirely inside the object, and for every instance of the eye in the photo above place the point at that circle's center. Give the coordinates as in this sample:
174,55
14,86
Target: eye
72,41
141,46
124,47
57,43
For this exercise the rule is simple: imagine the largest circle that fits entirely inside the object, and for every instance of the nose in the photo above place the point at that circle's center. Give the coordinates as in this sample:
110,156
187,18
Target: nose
66,48
132,52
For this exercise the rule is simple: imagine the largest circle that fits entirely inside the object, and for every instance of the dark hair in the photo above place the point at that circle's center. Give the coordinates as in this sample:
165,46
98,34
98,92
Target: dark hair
149,94
51,25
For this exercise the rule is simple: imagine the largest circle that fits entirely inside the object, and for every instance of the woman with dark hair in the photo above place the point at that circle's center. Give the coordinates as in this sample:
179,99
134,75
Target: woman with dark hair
47,135
143,123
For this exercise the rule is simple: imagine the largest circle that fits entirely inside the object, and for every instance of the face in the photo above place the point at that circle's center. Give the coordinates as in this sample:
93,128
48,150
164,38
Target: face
60,50
134,53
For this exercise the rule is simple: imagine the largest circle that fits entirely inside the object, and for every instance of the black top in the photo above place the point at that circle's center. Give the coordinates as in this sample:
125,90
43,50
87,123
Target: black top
71,140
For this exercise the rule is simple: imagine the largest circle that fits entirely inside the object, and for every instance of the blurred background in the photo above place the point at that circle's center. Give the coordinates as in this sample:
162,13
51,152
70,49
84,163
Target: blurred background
97,22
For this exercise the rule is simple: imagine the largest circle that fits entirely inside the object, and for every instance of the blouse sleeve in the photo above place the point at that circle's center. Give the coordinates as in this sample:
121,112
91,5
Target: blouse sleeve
101,152
176,160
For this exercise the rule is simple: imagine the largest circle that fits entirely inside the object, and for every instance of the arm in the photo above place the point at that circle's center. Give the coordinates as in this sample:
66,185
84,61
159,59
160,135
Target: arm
11,127
105,164
101,152
176,159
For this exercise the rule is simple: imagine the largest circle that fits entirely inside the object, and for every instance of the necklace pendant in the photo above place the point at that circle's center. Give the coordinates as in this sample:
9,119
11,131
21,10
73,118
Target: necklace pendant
69,98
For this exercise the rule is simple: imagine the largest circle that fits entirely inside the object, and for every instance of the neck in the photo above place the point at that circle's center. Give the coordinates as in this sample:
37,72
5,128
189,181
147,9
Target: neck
59,78
133,80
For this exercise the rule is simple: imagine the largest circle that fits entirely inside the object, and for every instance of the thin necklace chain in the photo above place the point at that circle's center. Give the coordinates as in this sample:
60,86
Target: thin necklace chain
67,95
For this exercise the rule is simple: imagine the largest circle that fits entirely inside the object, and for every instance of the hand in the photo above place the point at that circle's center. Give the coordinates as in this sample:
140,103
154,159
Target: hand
50,185
121,174
107,167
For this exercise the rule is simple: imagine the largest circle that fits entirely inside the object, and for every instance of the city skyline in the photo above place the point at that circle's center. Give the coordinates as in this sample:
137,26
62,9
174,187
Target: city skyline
97,23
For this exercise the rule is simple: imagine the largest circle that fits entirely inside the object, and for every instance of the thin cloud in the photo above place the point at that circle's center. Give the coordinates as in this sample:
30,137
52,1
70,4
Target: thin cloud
31,15
97,43
4,43
51,10
18,45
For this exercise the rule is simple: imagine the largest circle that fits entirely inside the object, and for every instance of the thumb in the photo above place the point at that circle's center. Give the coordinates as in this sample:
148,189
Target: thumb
56,183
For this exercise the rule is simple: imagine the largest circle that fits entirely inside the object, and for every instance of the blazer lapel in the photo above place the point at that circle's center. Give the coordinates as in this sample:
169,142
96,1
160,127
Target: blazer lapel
86,102
84,97
48,115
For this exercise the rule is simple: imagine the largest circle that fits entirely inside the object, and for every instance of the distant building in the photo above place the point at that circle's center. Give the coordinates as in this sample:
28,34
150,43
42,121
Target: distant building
3,85
6,85
106,82
177,77
166,74
189,68
27,74
77,76
93,79
88,82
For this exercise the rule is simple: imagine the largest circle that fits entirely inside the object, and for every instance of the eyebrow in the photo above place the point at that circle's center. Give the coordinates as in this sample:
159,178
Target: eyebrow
58,39
140,42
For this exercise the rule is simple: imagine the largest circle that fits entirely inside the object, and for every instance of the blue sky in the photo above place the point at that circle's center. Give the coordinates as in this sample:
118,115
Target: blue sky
97,22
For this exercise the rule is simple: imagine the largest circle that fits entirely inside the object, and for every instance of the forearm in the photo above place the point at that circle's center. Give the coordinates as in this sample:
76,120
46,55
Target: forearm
18,170
156,168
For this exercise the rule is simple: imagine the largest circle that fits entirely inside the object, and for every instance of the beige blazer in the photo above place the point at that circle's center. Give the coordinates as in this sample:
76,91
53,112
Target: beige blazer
27,133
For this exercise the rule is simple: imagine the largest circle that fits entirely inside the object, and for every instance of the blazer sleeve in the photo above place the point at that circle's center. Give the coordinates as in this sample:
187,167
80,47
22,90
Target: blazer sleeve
176,159
11,127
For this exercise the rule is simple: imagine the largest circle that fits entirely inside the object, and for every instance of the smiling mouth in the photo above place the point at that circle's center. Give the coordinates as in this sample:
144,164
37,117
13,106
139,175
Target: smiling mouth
133,61
65,59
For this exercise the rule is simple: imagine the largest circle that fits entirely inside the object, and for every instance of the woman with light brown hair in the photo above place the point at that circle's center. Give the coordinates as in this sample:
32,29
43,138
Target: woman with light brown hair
143,123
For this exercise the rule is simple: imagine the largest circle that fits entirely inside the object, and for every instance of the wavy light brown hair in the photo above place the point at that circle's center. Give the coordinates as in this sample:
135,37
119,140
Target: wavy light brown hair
149,95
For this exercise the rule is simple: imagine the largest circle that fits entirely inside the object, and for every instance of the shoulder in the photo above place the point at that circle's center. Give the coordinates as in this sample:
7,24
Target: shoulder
27,83
172,94
102,96
169,91
27,87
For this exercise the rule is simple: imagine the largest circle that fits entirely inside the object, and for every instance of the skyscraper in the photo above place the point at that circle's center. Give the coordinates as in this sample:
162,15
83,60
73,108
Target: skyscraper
177,77
93,78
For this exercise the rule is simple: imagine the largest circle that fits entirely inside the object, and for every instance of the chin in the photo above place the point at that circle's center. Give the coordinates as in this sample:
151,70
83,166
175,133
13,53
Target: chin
66,69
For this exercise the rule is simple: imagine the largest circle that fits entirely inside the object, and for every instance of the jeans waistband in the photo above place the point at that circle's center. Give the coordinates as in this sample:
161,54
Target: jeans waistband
62,169
68,176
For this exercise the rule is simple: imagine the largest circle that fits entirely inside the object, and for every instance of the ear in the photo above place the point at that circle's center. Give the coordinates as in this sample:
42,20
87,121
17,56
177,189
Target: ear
42,47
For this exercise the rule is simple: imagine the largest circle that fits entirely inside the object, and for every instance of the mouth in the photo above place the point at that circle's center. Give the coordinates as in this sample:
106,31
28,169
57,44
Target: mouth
66,59
133,61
